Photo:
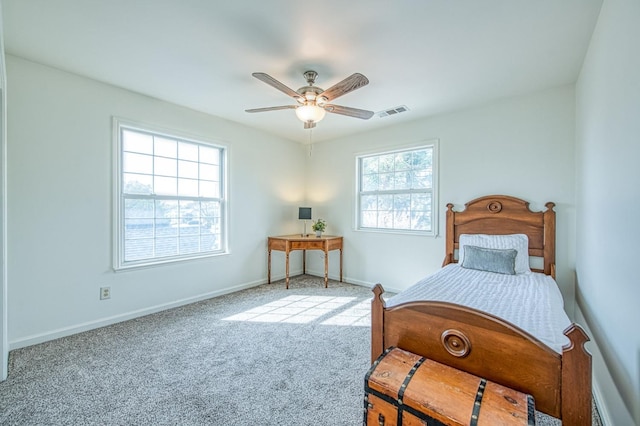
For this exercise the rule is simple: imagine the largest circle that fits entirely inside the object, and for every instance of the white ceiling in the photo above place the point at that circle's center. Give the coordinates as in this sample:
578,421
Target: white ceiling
431,55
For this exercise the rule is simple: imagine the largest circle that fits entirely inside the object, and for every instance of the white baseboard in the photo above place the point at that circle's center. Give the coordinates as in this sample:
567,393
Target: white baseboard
608,400
354,281
601,405
90,325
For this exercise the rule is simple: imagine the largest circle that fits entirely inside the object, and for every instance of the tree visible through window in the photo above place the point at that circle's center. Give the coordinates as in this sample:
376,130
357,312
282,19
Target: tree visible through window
396,190
170,198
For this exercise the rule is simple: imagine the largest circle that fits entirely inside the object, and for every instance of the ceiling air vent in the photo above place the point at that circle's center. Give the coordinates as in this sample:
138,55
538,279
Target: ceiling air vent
392,111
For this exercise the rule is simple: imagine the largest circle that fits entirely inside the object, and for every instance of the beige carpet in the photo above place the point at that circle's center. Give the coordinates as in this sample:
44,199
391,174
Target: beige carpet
260,356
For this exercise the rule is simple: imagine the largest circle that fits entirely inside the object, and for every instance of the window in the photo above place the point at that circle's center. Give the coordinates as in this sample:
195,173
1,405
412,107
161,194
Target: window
396,190
170,201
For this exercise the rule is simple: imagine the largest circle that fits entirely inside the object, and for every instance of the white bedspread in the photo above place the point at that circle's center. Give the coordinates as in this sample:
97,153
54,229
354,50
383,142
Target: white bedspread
532,301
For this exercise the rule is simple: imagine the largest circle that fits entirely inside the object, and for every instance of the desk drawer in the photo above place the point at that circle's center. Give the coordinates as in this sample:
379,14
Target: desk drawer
307,245
277,244
335,244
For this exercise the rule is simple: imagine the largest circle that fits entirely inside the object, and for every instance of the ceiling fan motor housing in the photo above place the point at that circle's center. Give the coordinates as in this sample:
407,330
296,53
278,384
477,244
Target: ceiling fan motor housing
310,76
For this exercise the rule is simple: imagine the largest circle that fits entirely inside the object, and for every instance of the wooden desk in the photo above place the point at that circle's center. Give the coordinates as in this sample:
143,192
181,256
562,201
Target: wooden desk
288,243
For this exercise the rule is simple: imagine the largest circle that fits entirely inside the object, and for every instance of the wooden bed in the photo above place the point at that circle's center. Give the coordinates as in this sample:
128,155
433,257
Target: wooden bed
483,344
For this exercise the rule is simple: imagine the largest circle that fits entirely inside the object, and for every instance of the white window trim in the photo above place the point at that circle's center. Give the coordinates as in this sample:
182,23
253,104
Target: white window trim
118,216
434,144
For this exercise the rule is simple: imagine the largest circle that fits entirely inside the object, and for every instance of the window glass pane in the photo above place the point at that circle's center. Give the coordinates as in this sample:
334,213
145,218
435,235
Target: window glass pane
137,184
187,151
190,244
421,159
386,181
209,155
138,250
370,219
209,209
188,187
165,147
209,241
385,219
209,189
165,167
165,229
187,229
420,221
402,202
386,163
189,212
385,202
137,163
369,165
188,169
402,180
138,228
401,220
165,185
369,202
134,208
167,216
137,142
209,172
403,161
215,225
370,182
421,179
166,246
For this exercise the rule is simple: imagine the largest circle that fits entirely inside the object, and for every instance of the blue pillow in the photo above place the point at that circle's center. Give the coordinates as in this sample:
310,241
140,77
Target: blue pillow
501,261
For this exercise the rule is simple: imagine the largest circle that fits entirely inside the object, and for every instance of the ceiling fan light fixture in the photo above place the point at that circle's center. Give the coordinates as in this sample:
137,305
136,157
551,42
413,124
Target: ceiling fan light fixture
310,113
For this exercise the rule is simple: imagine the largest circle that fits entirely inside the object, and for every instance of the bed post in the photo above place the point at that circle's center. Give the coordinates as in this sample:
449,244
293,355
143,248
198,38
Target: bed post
576,379
549,218
377,323
449,236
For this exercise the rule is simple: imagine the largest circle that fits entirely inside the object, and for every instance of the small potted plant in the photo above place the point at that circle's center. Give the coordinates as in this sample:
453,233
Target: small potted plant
319,226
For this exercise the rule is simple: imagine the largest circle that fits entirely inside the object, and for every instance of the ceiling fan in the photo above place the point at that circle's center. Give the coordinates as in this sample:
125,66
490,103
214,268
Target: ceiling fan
313,102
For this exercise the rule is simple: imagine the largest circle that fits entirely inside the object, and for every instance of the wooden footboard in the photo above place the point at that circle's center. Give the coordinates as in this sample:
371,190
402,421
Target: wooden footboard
487,346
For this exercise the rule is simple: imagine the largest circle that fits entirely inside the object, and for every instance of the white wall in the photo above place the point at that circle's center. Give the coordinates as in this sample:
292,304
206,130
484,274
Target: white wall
60,203
4,331
521,147
608,202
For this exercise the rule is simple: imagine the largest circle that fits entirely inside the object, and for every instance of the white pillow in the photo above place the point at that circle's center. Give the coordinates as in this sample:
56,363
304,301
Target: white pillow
519,242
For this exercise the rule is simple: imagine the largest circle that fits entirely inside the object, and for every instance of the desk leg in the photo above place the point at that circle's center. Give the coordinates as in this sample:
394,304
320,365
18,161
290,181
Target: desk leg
326,269
341,265
287,270
269,269
304,262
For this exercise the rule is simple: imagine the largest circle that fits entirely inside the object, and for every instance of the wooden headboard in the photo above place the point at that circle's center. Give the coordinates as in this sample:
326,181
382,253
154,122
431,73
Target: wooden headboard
500,215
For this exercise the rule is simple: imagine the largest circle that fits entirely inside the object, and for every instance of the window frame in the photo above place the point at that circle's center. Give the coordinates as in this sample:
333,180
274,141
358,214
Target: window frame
119,263
432,144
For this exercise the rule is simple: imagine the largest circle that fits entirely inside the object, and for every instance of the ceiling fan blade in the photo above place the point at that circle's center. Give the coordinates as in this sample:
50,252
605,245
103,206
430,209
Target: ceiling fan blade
351,112
275,83
349,84
275,108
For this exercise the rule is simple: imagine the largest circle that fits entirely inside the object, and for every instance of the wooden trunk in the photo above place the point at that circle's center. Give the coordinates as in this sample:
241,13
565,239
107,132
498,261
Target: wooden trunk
402,388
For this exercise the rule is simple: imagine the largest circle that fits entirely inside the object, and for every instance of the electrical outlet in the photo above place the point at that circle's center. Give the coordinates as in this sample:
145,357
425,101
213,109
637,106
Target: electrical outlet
105,293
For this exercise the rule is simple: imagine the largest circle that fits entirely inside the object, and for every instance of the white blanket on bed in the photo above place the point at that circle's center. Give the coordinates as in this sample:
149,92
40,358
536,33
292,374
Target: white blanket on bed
532,301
